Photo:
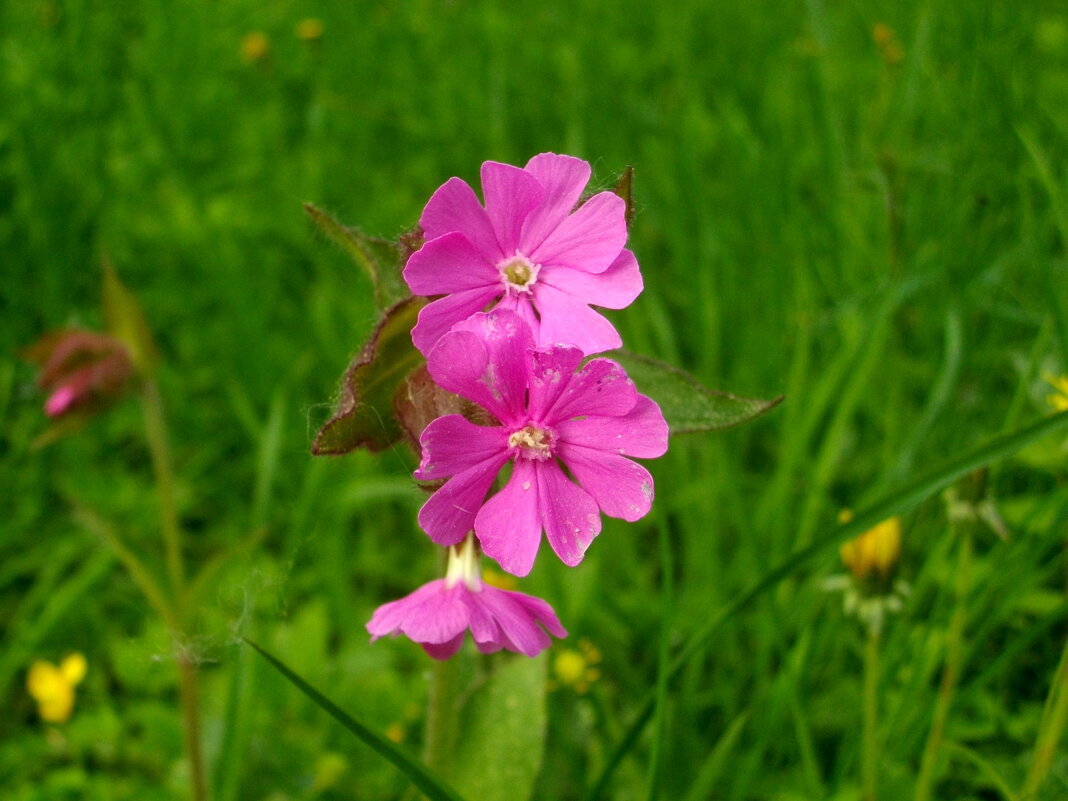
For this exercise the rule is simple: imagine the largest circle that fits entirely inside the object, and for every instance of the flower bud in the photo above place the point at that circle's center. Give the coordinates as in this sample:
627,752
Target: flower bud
872,557
80,370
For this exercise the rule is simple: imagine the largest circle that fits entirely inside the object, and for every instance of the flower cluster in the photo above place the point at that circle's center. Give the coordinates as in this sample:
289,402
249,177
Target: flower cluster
509,330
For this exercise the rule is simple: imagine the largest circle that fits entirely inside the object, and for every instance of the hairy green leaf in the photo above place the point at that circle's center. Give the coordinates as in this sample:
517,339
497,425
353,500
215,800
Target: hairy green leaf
688,406
432,786
380,259
503,725
365,415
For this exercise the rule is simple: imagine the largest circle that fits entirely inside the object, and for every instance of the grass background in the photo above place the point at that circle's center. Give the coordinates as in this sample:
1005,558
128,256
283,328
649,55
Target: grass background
880,239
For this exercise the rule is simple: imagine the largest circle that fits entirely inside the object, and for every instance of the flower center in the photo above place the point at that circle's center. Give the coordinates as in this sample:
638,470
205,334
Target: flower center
532,442
518,272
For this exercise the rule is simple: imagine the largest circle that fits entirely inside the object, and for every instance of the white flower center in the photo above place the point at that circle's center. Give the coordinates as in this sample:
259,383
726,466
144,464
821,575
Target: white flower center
532,442
463,565
518,273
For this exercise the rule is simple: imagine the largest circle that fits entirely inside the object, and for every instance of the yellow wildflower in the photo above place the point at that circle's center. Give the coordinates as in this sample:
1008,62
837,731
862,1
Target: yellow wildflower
576,669
309,29
502,581
874,553
53,687
1059,399
255,47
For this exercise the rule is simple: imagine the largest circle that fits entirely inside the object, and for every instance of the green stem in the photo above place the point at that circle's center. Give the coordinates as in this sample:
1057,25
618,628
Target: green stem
156,431
870,757
188,689
442,725
951,669
1050,730
190,699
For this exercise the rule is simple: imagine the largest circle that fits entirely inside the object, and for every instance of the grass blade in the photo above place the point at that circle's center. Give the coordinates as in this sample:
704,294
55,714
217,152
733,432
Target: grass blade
893,504
433,787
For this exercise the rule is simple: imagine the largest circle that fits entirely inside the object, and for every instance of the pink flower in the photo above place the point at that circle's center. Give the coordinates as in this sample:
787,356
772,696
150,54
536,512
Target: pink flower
80,370
438,614
529,250
549,412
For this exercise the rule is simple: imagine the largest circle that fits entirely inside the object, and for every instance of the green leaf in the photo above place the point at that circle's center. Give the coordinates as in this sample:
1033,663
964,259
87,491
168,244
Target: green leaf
380,259
127,323
503,725
688,406
365,416
433,787
895,503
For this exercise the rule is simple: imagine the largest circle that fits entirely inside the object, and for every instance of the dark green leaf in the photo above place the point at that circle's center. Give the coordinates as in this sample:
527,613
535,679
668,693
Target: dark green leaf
688,406
365,416
895,503
433,787
380,259
503,725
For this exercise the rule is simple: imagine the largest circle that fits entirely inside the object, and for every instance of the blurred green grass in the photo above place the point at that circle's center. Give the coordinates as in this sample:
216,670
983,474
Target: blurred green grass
882,241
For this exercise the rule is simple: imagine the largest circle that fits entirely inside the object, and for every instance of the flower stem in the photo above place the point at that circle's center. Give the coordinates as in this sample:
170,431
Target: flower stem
1050,730
870,756
190,699
951,668
156,432
442,725
188,685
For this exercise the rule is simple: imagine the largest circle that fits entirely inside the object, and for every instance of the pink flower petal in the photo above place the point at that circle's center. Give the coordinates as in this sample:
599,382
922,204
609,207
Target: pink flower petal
562,179
436,318
622,488
551,373
431,614
446,649
566,319
601,387
454,207
541,612
510,194
450,512
642,432
615,288
590,239
520,631
448,264
509,526
568,513
483,360
453,444
59,401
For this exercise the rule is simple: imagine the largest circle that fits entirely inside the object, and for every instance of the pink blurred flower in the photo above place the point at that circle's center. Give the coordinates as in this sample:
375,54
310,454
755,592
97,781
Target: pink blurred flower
529,250
549,412
80,370
439,614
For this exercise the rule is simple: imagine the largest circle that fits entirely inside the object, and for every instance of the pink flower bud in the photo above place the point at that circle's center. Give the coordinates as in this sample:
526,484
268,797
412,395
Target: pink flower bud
80,370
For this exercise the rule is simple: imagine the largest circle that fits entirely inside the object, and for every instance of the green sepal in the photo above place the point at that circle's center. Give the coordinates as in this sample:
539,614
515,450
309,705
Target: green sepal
381,259
688,406
625,189
125,320
365,415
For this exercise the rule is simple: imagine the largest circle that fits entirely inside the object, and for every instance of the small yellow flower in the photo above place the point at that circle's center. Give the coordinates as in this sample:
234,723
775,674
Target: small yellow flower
53,687
874,554
395,732
1059,399
576,669
886,41
255,47
309,29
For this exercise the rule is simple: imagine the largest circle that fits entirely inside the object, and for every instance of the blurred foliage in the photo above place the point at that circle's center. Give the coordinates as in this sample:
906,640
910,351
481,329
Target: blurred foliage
869,220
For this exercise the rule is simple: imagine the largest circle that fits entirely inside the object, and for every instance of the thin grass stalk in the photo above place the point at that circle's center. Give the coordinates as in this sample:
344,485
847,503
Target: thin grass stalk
950,670
1050,730
159,447
869,765
190,701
